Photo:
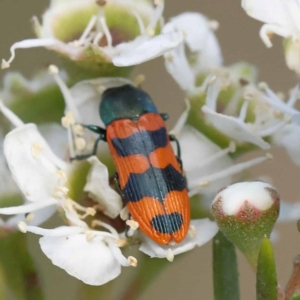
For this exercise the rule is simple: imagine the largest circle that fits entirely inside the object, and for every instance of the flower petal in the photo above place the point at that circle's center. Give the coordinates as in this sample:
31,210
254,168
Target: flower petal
141,50
99,189
87,94
92,262
289,138
32,163
234,128
205,231
200,157
279,12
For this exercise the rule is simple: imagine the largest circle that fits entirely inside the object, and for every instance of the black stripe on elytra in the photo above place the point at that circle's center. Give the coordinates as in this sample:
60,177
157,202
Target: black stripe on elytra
154,182
143,142
167,223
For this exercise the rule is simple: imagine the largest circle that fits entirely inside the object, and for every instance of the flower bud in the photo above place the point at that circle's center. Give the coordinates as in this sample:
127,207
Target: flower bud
246,212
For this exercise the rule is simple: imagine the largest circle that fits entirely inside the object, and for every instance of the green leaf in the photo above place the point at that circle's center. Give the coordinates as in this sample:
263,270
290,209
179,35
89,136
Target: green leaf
266,281
18,268
226,277
297,297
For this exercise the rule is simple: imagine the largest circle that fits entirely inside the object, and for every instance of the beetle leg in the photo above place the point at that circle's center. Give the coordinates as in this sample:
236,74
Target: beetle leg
85,156
174,139
127,228
164,116
96,129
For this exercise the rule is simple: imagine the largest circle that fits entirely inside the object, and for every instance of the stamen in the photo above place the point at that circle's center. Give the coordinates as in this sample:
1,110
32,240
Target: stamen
132,224
156,16
13,119
182,119
90,236
97,38
89,212
60,192
229,172
31,43
30,217
243,112
132,261
22,226
87,30
294,96
106,226
70,103
68,120
36,149
138,80
104,27
121,243
170,255
27,208
192,231
230,149
80,143
62,175
214,25
124,213
213,93
78,129
140,23
269,131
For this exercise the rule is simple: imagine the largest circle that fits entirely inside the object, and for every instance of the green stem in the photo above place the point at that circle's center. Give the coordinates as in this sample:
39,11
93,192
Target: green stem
226,277
266,281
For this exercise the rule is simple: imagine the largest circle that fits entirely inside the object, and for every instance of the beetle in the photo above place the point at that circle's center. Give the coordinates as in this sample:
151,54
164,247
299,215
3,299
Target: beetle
149,175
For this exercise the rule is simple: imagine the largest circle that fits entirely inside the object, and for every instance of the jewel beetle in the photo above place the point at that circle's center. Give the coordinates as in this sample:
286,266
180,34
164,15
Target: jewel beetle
149,175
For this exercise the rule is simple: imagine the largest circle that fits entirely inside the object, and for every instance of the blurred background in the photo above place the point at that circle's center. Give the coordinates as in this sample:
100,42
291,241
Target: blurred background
190,276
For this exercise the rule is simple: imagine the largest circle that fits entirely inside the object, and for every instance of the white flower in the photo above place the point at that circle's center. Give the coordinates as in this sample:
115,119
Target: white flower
236,127
282,18
201,41
90,255
288,136
129,41
43,177
201,231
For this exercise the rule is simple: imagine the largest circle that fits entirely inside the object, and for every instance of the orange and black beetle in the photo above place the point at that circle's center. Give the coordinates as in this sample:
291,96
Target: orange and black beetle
149,174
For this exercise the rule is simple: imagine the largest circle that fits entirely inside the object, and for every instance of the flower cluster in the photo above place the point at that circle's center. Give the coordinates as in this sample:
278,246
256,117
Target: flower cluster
227,114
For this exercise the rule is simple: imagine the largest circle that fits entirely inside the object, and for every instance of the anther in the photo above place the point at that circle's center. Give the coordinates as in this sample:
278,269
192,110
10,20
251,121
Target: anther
132,261
68,120
205,183
78,129
232,147
170,255
52,69
214,25
5,64
30,217
124,213
36,149
132,224
192,231
263,86
269,156
90,236
138,80
121,242
22,226
80,143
